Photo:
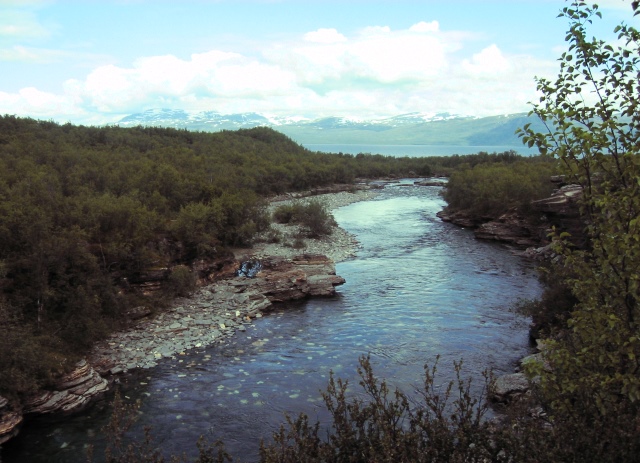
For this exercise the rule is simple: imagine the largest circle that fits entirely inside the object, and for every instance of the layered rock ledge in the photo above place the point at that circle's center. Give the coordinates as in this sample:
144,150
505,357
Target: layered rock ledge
72,392
10,421
531,230
215,312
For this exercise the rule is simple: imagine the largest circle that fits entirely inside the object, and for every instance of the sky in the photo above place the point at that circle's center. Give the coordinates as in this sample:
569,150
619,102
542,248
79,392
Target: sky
94,62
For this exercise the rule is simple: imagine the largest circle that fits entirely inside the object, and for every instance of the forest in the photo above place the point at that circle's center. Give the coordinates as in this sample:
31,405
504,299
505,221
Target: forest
85,210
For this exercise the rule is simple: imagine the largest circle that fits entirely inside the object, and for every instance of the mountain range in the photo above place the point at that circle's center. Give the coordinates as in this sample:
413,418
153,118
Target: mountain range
404,129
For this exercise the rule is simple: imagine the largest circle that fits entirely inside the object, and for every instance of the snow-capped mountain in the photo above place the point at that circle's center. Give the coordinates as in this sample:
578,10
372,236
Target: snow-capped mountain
410,128
215,120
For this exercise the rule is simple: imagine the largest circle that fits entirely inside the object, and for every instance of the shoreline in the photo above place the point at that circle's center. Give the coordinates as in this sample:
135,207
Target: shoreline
210,315
215,311
340,245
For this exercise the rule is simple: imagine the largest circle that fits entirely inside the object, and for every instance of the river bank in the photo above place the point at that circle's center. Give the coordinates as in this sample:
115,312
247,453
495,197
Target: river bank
419,288
210,315
216,311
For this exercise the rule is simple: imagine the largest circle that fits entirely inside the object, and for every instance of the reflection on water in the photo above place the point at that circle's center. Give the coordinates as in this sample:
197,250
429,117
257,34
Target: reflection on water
419,288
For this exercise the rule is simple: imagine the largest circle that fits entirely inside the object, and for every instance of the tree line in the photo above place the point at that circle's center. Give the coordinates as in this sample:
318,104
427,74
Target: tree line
85,209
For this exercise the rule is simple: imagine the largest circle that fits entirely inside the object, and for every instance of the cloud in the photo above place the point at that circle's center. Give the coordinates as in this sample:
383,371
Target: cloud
325,36
173,81
488,61
374,54
375,71
35,103
19,22
24,54
422,26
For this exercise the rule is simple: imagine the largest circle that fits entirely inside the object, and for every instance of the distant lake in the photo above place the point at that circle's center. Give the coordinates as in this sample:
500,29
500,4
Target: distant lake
416,150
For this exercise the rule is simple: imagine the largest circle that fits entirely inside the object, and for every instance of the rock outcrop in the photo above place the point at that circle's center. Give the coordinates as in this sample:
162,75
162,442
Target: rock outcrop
562,210
512,228
306,275
462,218
73,392
10,421
432,182
531,229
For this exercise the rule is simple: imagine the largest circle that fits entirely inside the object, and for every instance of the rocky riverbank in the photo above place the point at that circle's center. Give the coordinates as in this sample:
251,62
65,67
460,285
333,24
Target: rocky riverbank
208,316
216,311
529,230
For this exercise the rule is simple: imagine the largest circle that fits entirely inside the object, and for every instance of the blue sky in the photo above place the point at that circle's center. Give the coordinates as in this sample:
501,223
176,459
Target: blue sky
93,62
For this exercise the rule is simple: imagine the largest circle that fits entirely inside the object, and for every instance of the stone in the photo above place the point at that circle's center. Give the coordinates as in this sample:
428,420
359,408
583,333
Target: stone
510,228
529,230
506,388
138,312
431,182
10,422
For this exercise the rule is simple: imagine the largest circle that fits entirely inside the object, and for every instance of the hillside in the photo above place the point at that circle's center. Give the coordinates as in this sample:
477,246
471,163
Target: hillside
88,215
406,129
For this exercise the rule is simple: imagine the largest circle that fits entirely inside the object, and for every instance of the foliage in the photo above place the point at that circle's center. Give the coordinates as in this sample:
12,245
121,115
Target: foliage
388,426
592,114
312,215
181,281
492,188
28,361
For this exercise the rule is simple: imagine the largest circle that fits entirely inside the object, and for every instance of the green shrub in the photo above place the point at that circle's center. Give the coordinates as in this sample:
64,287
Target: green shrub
493,188
311,215
29,360
181,281
286,213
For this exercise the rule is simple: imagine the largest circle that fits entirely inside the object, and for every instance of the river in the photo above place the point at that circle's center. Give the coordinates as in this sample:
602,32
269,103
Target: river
418,288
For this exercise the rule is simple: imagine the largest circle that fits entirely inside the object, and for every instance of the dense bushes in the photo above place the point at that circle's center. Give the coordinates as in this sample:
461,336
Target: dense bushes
84,209
490,189
311,215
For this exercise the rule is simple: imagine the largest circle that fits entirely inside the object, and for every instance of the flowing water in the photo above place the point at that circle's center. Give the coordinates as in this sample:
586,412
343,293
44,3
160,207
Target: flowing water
418,288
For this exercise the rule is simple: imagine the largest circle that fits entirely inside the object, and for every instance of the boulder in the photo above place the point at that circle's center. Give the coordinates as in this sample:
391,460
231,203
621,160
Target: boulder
563,202
306,275
511,228
462,218
138,312
507,388
431,182
562,210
